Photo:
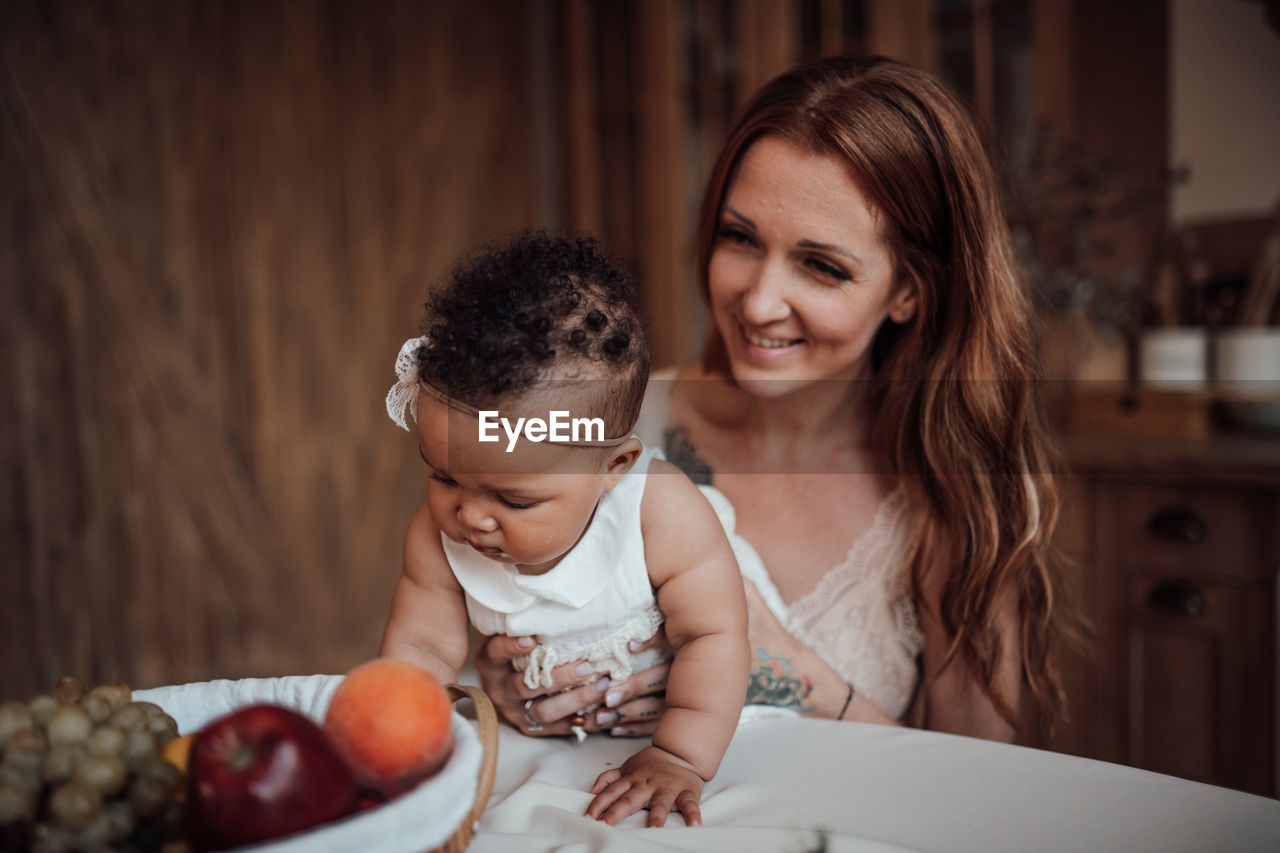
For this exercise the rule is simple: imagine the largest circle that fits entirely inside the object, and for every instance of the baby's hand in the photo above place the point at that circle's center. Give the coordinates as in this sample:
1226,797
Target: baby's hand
654,778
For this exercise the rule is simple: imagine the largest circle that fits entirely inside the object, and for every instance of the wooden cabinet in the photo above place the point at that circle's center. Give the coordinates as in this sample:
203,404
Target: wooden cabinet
1174,561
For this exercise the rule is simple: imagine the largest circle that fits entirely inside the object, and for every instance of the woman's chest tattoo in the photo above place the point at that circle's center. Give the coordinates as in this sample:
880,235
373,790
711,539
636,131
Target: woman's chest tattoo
682,453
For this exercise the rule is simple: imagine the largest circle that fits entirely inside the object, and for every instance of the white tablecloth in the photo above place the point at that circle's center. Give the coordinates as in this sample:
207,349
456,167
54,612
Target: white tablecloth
793,784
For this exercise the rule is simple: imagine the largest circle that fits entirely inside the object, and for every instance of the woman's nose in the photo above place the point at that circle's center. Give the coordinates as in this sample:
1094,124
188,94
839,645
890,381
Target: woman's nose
473,516
765,300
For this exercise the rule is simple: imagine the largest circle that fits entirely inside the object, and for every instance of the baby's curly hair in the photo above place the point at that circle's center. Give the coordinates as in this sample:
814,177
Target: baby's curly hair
538,307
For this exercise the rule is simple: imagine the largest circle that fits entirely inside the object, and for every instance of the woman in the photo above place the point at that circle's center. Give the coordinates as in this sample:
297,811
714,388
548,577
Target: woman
870,322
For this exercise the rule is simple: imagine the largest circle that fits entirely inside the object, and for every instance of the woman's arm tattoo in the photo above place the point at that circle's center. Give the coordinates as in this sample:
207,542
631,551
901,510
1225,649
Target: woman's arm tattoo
681,453
773,682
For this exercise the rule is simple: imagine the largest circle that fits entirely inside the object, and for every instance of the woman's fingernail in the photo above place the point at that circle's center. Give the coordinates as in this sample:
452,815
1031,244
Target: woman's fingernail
583,669
635,645
617,730
605,717
525,642
602,685
613,698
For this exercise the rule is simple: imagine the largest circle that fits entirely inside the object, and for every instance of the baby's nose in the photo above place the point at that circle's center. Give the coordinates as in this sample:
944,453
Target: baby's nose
475,518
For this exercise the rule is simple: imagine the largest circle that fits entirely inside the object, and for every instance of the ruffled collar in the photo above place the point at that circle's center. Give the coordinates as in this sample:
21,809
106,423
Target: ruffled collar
580,576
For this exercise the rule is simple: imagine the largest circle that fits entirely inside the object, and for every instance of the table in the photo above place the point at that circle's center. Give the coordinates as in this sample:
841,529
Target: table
793,784
790,784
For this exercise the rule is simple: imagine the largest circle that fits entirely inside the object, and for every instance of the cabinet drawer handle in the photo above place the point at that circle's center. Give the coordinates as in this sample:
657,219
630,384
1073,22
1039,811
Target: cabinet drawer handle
1179,598
1178,524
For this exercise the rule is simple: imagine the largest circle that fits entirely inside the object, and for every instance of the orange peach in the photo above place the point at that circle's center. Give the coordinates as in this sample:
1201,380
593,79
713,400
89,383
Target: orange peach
390,721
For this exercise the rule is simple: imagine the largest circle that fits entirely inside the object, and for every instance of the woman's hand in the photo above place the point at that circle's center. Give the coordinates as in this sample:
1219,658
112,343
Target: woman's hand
634,707
554,706
630,708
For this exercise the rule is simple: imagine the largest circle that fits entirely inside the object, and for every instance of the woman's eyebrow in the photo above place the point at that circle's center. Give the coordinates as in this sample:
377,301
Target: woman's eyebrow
828,247
804,244
746,220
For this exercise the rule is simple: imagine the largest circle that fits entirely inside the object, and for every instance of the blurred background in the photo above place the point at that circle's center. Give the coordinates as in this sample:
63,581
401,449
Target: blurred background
220,219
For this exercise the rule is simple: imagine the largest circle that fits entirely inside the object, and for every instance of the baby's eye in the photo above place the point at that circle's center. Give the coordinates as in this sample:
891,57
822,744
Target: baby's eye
829,270
442,480
513,504
735,234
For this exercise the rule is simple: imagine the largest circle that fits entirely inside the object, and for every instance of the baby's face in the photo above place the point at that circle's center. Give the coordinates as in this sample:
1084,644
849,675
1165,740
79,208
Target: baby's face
527,507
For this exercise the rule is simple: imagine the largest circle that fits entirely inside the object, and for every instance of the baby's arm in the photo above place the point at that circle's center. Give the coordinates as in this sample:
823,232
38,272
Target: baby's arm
428,622
700,592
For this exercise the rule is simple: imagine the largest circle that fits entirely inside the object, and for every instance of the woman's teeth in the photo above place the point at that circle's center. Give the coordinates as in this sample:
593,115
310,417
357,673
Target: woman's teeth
767,343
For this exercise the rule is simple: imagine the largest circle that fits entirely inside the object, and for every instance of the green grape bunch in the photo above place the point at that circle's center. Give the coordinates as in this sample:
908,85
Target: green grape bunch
81,770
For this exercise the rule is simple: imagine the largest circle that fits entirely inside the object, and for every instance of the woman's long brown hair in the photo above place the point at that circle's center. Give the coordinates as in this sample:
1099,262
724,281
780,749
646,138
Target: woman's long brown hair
953,393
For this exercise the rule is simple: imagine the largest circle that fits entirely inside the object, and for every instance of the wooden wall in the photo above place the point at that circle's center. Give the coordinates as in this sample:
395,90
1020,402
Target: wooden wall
219,220
647,91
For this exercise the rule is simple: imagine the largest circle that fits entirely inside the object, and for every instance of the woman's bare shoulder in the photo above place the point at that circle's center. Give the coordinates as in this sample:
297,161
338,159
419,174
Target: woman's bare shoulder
695,391
664,400
682,372
666,374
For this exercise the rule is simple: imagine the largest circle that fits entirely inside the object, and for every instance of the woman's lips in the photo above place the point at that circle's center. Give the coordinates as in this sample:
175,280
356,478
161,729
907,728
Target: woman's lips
764,347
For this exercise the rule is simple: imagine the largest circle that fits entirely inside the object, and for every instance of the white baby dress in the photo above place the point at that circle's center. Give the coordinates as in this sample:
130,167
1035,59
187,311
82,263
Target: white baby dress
588,607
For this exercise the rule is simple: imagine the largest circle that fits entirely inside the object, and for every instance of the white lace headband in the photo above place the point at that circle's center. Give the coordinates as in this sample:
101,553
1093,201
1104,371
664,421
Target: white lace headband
402,399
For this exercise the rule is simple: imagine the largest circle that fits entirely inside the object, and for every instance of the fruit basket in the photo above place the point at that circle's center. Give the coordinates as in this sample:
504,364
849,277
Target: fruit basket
438,815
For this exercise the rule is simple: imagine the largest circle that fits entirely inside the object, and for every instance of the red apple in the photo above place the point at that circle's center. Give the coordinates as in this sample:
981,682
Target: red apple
263,772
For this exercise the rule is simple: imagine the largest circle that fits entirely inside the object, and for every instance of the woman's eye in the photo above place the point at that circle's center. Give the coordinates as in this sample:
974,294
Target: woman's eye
829,270
735,234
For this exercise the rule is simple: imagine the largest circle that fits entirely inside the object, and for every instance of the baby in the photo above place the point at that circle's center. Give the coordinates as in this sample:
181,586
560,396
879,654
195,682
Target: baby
545,517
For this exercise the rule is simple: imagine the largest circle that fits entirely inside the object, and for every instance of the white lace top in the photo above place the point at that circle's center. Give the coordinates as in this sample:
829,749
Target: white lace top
588,607
859,618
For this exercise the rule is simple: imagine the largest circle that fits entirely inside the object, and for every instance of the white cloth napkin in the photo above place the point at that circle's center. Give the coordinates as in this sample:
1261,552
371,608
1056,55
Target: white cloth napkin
418,820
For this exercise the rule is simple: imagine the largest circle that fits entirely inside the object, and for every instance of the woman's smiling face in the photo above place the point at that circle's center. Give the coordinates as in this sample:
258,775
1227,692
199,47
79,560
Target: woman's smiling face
799,277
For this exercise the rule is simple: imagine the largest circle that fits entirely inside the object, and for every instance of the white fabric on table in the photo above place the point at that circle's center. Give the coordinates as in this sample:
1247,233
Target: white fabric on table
420,819
793,784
